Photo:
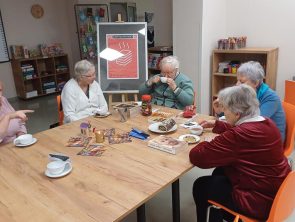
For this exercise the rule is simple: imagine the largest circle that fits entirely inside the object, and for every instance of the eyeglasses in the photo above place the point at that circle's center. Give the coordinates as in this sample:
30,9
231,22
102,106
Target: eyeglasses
89,76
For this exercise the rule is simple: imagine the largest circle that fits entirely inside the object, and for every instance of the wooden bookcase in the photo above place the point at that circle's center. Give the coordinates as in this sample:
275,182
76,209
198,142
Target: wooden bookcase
154,57
267,57
40,76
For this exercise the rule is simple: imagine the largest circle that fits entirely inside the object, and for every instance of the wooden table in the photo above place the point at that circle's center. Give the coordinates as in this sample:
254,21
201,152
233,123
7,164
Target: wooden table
105,188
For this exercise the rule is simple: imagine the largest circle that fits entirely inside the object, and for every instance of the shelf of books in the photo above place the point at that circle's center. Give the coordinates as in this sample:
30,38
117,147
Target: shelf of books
156,54
40,76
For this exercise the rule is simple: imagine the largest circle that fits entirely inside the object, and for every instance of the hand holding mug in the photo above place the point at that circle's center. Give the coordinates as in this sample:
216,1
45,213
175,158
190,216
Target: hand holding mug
171,83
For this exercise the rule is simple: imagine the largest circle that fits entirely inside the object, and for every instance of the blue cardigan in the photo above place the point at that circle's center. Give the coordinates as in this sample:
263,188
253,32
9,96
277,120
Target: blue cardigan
271,106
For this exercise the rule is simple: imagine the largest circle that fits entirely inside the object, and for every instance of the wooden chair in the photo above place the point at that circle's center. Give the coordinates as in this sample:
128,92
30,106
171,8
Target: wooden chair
282,207
124,98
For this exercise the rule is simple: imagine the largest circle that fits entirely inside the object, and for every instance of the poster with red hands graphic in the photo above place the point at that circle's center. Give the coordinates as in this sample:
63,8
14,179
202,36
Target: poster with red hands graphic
126,66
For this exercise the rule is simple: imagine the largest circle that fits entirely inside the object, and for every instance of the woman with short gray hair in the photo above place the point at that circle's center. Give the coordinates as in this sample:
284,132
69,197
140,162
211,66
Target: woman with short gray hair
252,74
82,96
170,88
248,156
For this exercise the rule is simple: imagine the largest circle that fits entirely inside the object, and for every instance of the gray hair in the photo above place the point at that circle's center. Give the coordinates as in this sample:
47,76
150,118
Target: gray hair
253,71
81,68
171,60
240,99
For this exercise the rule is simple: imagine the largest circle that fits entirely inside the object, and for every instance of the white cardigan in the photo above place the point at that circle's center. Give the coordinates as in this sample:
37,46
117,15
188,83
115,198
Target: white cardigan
76,105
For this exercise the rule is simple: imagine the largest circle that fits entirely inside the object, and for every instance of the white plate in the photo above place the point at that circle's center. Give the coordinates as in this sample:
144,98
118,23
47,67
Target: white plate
185,135
155,128
102,116
29,144
67,170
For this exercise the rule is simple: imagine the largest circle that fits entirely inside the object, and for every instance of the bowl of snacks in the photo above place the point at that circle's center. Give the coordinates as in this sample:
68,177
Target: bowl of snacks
189,138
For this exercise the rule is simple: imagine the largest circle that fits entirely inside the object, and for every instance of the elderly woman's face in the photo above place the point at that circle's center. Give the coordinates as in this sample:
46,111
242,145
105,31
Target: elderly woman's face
244,80
168,71
89,77
230,117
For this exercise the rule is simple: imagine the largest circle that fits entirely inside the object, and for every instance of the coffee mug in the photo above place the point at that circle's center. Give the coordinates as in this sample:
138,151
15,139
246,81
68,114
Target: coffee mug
57,167
23,139
163,79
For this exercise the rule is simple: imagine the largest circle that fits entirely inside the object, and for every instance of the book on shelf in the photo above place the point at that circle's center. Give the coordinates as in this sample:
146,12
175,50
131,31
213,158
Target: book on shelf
167,144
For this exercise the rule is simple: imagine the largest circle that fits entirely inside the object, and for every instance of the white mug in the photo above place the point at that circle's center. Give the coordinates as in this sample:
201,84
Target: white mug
23,139
57,167
163,79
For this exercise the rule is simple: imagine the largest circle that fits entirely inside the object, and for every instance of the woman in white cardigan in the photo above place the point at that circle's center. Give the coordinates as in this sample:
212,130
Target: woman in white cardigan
82,96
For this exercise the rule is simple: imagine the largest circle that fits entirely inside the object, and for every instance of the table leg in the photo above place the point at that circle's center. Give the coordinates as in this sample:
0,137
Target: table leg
141,213
176,201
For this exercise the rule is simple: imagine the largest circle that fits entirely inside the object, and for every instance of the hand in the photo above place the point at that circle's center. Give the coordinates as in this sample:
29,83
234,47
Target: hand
216,106
171,83
154,79
20,114
207,123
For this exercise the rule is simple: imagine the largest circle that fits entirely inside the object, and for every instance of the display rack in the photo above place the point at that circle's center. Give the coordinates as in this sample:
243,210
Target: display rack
40,76
87,15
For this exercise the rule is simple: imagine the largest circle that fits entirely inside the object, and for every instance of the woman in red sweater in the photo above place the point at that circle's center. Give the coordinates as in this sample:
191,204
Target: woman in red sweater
248,155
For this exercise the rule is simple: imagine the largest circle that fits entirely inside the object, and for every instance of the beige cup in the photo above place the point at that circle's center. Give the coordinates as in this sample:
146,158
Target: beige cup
23,139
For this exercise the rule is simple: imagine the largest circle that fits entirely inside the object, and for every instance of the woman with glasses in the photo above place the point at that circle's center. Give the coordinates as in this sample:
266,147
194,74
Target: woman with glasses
82,96
170,88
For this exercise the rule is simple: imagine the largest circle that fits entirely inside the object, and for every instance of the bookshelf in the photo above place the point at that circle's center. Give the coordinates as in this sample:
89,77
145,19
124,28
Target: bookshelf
267,57
155,55
40,76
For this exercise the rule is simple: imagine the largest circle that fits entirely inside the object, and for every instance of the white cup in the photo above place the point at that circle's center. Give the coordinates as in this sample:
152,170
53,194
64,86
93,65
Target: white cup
57,167
163,79
196,130
23,139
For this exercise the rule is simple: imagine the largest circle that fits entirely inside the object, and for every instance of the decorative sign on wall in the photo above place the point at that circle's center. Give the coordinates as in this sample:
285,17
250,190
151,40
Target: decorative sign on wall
4,56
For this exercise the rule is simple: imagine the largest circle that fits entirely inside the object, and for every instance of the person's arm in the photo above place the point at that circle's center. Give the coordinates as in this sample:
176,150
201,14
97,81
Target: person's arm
147,86
4,120
69,103
185,93
219,152
102,104
269,106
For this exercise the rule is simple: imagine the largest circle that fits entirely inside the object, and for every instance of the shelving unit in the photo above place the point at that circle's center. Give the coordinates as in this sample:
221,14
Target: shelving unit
40,76
267,57
156,54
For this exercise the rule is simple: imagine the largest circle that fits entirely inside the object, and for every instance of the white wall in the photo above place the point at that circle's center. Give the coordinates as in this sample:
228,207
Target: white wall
213,28
266,23
187,27
22,29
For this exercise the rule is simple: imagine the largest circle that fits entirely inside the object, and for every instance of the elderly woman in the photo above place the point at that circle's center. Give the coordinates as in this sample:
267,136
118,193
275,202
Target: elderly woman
82,96
249,156
170,88
12,123
252,74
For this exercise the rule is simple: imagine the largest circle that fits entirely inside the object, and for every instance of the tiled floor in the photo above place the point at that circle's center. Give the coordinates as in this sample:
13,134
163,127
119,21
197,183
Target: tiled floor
159,208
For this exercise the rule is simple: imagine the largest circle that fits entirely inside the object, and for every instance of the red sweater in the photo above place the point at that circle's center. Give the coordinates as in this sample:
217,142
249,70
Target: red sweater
252,157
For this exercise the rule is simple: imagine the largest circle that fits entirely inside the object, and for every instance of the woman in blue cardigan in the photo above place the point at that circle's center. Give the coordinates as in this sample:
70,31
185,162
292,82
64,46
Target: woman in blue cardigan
252,74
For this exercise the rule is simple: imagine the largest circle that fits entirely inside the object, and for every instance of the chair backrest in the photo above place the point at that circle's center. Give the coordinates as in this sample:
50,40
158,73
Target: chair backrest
60,111
289,92
284,202
290,128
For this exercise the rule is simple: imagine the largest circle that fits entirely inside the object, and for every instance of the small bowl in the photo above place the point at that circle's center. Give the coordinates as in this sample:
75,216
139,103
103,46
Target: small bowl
197,130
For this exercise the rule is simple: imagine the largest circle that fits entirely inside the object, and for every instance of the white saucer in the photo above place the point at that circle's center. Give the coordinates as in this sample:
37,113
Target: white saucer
197,139
67,170
155,128
29,144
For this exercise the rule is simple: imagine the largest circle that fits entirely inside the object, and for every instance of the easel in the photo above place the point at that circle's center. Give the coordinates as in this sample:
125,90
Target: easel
124,97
